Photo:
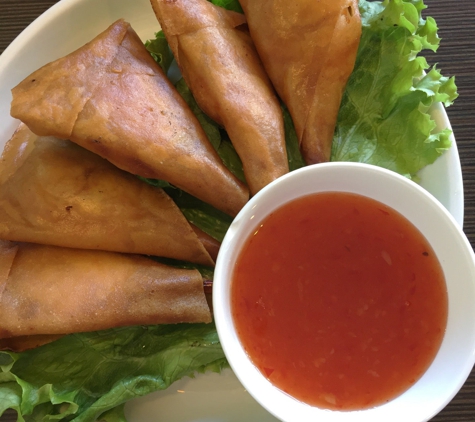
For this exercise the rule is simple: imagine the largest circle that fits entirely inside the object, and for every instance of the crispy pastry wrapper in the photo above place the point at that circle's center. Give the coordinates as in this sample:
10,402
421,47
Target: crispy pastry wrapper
110,97
309,50
48,290
54,192
219,63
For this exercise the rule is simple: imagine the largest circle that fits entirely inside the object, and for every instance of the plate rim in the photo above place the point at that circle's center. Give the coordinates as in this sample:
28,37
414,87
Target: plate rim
62,6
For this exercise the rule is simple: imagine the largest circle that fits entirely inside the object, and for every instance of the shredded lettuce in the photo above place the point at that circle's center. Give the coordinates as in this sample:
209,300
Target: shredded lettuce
384,120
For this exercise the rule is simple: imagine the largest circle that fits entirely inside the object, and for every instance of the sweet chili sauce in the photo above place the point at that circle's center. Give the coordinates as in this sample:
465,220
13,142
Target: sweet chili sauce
339,301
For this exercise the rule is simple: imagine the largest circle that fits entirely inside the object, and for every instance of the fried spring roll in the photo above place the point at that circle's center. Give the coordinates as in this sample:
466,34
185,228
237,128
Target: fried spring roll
110,97
48,290
54,192
309,50
219,63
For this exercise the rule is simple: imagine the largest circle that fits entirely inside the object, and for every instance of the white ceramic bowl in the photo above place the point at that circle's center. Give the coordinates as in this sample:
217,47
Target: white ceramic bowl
456,356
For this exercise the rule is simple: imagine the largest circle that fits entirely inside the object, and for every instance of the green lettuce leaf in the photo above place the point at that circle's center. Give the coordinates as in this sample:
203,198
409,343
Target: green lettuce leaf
384,116
85,377
10,396
207,273
160,51
209,126
228,4
217,137
201,214
294,155
115,414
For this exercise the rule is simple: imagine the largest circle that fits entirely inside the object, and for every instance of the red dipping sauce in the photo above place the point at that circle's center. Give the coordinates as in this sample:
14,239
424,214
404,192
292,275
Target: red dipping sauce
339,301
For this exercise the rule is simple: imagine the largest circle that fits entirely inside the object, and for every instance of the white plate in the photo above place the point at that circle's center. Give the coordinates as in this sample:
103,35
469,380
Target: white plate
70,24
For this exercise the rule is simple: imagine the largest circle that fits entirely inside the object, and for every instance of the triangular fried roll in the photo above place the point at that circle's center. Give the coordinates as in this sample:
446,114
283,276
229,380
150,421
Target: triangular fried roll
54,192
110,97
52,290
308,49
222,69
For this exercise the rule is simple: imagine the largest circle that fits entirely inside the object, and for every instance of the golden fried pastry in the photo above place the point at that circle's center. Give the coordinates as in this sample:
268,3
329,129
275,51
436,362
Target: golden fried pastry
219,63
48,290
309,50
54,192
110,97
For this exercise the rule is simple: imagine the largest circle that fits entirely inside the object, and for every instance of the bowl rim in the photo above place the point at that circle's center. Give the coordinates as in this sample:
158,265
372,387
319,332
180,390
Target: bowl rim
386,186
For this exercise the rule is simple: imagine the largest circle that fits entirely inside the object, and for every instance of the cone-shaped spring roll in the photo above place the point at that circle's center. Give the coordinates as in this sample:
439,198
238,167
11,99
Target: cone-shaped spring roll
222,69
110,97
308,49
54,192
52,290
